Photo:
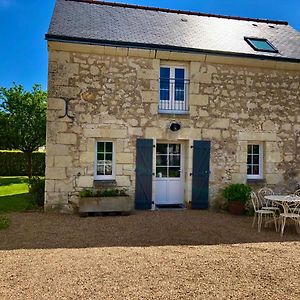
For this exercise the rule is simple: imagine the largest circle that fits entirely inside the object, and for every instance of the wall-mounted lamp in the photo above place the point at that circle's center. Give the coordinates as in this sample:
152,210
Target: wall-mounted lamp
174,126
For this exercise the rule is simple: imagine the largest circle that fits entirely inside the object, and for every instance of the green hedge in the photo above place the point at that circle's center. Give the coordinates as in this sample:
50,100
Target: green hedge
14,163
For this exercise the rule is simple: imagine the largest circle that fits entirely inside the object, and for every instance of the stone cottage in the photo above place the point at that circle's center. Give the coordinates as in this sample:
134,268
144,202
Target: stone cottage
171,105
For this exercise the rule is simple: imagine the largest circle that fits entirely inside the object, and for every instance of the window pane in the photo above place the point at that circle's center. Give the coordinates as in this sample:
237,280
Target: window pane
249,149
164,89
100,169
161,172
108,156
174,160
162,148
179,84
255,170
164,94
249,170
164,83
261,45
108,169
179,95
174,149
179,74
100,156
174,172
164,73
100,147
256,159
255,149
108,147
161,160
249,159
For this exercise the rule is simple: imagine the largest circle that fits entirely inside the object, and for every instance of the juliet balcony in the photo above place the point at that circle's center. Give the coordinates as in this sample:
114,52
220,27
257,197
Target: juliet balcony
173,96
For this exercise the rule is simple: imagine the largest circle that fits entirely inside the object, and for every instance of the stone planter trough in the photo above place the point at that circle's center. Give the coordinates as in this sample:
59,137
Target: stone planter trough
120,204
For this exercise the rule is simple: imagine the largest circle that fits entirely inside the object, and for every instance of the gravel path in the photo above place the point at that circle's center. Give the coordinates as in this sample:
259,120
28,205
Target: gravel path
151,255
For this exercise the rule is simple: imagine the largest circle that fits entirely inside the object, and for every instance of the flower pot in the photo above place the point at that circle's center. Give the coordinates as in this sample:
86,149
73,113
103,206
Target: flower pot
236,207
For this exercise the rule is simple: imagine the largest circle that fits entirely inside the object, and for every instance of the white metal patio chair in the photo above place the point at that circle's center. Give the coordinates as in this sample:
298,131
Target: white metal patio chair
266,204
297,193
260,213
292,212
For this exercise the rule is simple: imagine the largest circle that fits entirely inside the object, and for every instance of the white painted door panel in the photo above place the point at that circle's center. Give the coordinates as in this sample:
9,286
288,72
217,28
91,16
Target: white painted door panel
169,174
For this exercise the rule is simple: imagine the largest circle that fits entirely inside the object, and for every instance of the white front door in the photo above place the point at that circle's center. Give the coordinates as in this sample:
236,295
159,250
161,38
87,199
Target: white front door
169,174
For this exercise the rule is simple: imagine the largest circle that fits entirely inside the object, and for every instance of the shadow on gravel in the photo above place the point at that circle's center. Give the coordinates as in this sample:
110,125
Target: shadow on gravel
141,229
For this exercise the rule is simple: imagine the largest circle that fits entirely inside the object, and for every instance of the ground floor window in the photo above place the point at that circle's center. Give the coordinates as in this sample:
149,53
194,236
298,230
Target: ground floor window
255,161
104,162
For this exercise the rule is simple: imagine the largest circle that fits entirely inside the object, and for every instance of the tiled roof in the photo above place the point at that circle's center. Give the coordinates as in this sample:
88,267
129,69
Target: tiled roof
105,23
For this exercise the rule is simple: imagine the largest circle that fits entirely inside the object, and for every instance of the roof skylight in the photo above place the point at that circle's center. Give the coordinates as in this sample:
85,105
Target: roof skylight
259,44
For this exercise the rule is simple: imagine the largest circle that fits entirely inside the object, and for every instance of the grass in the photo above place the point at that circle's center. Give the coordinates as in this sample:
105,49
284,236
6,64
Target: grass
13,186
14,195
4,222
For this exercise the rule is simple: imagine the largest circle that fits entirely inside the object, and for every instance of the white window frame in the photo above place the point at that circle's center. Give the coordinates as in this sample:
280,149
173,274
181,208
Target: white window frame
172,89
261,160
105,177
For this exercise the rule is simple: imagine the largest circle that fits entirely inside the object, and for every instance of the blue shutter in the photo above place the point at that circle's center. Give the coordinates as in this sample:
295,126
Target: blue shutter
200,181
144,166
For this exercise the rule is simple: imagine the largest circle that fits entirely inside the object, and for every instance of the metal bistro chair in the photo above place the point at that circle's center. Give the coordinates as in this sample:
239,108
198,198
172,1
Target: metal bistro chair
292,212
260,213
297,193
297,208
266,204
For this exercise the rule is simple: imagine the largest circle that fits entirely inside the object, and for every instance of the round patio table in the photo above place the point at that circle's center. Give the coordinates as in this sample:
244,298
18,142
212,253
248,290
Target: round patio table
286,202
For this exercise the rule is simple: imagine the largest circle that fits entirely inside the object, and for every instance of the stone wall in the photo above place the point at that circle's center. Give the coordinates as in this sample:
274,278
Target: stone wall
115,97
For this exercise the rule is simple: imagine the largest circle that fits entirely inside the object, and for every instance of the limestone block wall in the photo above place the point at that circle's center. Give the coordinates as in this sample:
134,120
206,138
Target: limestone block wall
114,97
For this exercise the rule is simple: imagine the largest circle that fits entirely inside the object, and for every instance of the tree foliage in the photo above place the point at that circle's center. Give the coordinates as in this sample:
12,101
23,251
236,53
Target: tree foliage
23,119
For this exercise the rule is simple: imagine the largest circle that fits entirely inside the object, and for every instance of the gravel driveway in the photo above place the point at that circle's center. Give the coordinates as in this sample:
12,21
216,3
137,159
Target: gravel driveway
150,255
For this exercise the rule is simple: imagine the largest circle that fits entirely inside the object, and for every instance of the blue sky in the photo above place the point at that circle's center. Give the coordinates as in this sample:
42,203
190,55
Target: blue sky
23,50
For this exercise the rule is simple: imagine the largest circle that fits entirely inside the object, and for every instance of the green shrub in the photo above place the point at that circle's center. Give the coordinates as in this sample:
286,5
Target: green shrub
14,163
37,191
86,193
103,193
4,222
237,192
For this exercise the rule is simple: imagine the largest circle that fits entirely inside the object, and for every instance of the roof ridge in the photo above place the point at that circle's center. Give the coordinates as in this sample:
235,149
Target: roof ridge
186,12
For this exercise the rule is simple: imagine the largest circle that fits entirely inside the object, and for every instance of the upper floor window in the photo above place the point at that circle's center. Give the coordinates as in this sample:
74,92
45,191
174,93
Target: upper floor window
261,44
173,89
104,162
255,161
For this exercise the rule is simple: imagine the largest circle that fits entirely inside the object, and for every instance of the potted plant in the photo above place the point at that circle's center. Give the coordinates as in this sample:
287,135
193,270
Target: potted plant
103,201
237,194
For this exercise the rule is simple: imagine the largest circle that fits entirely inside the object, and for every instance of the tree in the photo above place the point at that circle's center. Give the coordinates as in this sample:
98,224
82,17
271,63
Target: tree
23,120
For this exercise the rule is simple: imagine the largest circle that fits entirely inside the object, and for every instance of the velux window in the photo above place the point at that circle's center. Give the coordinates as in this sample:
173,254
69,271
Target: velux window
104,165
261,44
173,89
255,161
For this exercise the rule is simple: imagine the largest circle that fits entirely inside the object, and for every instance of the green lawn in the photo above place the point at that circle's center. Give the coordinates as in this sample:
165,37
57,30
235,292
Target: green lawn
14,194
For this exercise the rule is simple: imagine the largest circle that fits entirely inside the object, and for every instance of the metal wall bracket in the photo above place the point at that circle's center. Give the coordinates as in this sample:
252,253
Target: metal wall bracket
67,110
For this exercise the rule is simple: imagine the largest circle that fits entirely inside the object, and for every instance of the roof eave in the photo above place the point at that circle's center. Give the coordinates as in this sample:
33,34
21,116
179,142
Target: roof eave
67,39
